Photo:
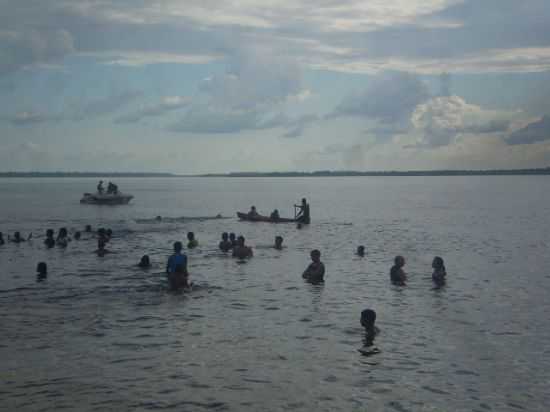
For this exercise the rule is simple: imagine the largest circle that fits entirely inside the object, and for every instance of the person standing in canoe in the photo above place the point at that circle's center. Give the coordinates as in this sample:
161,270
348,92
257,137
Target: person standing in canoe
303,214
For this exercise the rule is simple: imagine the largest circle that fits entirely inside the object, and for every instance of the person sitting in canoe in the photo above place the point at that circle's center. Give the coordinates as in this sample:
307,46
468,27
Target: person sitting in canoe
252,213
100,187
303,214
275,215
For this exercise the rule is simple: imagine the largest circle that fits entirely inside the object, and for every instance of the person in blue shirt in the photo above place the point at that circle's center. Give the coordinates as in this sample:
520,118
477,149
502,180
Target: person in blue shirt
176,268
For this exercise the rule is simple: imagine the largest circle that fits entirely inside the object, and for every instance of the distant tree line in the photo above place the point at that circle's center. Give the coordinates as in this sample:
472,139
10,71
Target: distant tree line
83,174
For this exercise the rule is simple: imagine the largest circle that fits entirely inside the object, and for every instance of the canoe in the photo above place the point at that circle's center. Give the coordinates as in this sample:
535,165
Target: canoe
260,218
106,199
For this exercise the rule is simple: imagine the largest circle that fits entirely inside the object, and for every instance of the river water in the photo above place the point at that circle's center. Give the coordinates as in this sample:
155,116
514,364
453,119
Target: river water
101,334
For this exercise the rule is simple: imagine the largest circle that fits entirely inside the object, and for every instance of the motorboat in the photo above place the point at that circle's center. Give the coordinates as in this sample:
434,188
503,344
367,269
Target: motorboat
106,198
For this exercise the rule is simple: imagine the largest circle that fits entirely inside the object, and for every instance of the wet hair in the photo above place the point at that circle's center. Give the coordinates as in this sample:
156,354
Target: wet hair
399,260
315,252
77,235
190,235
42,268
178,246
145,261
368,317
225,236
438,263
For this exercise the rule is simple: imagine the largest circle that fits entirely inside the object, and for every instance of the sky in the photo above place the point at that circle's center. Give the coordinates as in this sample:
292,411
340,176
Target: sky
204,86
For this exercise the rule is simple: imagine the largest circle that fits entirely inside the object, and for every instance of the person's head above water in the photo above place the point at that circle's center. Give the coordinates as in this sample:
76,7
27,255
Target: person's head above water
178,246
232,236
438,263
225,236
361,250
49,233
144,262
368,317
399,261
62,232
278,241
77,235
315,255
304,201
190,236
88,228
241,240
42,269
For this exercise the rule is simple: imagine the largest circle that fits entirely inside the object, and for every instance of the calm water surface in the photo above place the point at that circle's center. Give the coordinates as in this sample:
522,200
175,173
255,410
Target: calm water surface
100,334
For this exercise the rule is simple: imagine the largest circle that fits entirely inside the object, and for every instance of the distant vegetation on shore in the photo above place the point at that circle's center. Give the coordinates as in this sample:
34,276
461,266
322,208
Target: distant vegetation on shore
319,173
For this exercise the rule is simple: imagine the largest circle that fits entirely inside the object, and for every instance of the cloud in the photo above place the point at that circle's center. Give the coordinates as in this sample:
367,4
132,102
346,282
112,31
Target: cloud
440,120
22,48
390,99
167,105
106,105
534,132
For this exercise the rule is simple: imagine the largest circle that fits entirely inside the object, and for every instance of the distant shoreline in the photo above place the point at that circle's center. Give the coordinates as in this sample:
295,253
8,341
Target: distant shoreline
321,173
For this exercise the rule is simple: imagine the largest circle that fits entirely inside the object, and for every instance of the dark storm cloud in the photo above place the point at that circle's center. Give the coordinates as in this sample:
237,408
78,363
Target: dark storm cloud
390,99
535,132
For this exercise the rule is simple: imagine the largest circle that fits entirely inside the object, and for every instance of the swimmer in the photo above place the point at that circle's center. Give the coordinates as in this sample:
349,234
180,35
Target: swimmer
439,274
158,218
225,244
1,239
397,275
242,251
76,235
360,251
192,242
101,251
49,241
176,268
315,272
144,263
109,234
41,270
88,229
278,243
298,225
62,238
368,317
17,238
233,239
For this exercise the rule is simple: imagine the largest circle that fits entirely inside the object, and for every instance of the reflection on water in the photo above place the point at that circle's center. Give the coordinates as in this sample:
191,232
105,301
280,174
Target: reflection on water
103,334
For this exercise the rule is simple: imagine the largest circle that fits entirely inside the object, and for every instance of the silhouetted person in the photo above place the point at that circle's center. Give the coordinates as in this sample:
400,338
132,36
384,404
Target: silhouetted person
252,212
315,272
361,251
100,187
144,263
368,318
2,241
275,215
397,275
225,244
439,274
17,238
303,214
192,243
62,238
278,242
76,235
233,239
88,229
242,251
41,270
49,241
101,250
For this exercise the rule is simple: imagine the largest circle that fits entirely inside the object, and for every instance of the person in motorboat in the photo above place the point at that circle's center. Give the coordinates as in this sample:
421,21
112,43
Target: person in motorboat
100,187
303,212
62,238
315,272
278,243
242,251
145,262
397,274
253,212
176,268
225,244
192,243
49,241
274,215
